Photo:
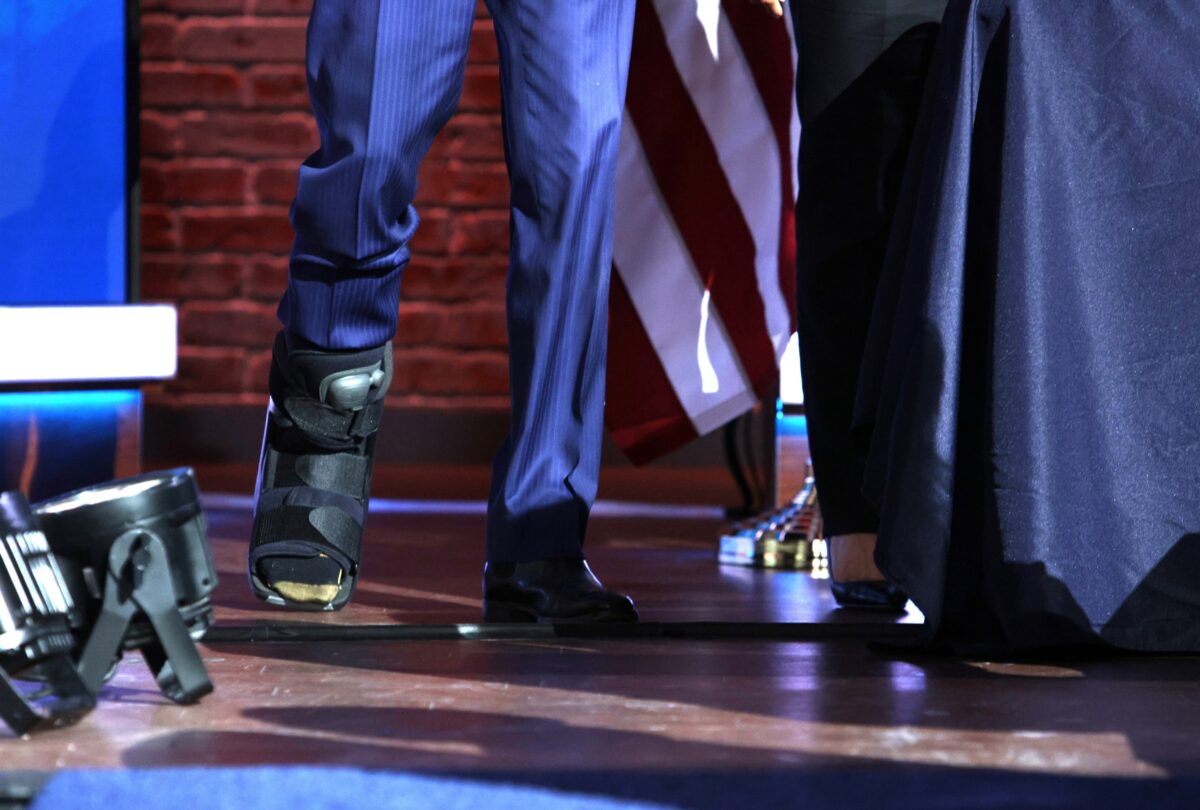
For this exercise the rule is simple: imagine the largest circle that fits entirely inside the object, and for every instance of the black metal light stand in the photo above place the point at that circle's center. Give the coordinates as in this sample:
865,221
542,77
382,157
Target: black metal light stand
36,611
135,552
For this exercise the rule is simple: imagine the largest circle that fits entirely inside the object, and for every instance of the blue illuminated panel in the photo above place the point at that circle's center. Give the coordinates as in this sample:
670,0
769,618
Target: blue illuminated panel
790,424
52,443
63,137
15,408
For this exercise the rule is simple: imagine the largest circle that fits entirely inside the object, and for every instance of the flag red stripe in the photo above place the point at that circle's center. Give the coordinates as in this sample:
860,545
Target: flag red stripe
767,49
642,410
689,176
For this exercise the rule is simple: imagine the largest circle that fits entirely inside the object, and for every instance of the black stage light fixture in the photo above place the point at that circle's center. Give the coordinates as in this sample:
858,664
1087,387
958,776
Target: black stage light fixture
135,554
36,612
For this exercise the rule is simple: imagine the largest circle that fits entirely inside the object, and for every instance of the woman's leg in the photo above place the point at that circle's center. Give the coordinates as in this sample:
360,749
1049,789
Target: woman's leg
861,71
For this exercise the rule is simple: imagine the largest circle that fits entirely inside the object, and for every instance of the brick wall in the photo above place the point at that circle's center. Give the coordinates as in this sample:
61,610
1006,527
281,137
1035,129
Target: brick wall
225,124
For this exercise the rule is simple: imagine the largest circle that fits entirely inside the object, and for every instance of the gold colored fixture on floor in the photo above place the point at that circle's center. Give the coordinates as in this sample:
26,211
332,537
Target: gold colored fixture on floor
789,538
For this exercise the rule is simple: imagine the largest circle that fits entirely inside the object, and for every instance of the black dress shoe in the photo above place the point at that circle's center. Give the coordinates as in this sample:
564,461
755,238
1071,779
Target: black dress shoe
871,595
560,590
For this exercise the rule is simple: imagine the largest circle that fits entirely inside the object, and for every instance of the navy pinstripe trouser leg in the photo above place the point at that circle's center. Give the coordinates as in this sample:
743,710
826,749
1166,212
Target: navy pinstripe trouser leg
385,76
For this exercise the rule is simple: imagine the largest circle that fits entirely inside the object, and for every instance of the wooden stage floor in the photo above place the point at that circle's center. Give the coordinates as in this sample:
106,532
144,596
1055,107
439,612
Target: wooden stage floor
568,707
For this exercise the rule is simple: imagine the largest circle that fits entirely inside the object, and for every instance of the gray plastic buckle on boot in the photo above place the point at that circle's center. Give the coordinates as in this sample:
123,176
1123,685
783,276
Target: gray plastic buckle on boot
332,404
351,390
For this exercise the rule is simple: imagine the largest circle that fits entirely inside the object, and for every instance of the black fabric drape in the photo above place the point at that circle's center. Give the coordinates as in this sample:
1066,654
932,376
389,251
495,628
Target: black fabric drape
859,92
1031,382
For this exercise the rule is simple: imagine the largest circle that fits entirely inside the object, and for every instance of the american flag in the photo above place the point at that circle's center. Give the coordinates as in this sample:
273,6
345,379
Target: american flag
702,303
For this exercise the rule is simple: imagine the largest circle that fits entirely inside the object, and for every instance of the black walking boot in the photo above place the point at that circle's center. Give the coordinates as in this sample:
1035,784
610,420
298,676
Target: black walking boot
314,477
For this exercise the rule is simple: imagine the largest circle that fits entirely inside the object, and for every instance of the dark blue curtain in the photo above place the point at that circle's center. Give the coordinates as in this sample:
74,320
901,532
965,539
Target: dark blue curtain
1031,389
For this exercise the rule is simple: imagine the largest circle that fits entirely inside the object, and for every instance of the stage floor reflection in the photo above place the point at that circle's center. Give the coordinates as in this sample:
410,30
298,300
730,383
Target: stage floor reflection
648,706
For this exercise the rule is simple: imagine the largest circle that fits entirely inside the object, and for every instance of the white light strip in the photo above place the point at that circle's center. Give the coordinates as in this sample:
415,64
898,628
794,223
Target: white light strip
791,385
79,344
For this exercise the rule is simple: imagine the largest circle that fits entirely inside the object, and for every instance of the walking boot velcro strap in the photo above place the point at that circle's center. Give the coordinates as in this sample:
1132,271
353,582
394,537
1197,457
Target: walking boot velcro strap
318,420
343,473
303,531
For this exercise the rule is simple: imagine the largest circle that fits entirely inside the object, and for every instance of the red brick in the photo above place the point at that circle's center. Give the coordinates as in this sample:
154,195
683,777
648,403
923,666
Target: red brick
172,277
484,50
159,227
268,277
276,182
154,183
236,229
156,396
470,136
481,89
242,39
483,373
195,6
250,134
420,323
217,400
159,133
456,278
473,402
159,32
224,127
480,184
227,323
434,233
256,370
292,7
443,372
208,370
410,365
279,86
435,184
177,85
473,184
204,180
481,232
472,326
475,326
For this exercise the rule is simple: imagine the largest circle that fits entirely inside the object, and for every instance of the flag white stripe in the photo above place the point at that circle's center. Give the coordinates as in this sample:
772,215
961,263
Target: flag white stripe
669,297
794,127
731,107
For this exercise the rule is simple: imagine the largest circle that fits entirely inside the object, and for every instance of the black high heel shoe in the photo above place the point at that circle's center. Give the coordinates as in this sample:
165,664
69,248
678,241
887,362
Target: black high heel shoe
870,595
865,594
